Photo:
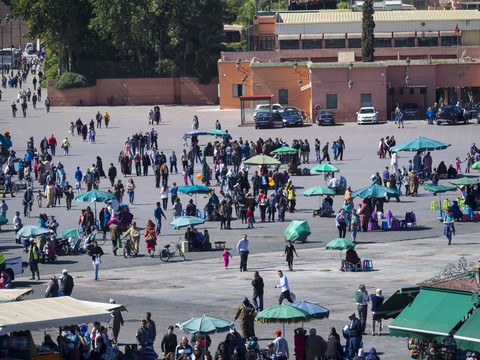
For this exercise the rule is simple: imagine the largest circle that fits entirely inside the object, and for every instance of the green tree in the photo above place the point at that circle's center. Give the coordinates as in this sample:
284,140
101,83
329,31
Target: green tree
368,26
342,5
62,25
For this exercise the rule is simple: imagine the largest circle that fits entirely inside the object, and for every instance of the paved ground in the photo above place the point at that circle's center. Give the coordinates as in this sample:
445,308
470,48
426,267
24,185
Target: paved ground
177,291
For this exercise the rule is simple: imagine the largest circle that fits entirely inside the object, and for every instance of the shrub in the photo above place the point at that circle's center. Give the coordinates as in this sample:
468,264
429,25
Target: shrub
69,80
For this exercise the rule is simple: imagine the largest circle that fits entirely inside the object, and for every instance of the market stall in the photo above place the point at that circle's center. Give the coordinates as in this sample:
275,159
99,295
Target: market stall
17,319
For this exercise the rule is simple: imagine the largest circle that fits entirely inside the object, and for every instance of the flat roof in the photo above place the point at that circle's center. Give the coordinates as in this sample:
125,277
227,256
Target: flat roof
317,17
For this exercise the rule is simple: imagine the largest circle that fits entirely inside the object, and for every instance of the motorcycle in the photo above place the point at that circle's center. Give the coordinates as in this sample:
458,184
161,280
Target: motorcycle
62,246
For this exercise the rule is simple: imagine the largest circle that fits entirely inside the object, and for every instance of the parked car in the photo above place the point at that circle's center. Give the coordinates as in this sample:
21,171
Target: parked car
15,266
263,119
367,115
292,117
473,110
450,114
325,117
410,111
266,107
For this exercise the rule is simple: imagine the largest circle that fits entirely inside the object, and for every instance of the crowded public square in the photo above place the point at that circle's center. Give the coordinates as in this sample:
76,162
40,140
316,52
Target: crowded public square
241,218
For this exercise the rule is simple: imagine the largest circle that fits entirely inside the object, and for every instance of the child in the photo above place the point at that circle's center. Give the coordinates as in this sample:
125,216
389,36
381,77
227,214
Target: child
39,198
457,165
92,136
335,150
249,217
78,186
225,256
185,178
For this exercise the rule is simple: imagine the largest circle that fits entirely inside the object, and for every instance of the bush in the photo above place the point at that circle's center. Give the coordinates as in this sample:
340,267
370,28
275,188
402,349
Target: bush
70,80
236,46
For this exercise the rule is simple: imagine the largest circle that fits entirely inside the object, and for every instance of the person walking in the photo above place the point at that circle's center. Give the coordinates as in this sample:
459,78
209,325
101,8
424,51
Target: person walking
169,342
66,283
362,299
131,190
242,248
280,346
96,253
341,148
449,225
285,288
115,237
258,288
150,237
158,213
116,324
341,223
226,256
289,251
354,225
354,336
246,313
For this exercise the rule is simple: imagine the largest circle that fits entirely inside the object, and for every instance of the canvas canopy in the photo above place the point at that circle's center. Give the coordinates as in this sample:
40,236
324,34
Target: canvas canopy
7,295
52,312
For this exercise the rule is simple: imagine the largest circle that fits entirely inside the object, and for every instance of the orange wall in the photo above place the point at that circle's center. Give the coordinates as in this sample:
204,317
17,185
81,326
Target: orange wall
228,76
185,91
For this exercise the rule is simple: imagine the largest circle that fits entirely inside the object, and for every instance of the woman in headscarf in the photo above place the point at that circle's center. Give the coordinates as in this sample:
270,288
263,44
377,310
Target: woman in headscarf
150,237
246,313
100,170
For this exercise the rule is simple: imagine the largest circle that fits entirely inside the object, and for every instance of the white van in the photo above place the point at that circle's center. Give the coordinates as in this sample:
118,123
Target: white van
30,48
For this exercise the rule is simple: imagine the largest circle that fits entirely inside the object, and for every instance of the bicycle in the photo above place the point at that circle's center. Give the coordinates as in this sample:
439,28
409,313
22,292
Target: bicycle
128,249
166,254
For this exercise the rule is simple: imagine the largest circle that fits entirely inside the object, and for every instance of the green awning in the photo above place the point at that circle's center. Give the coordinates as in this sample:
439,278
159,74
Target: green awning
433,314
468,336
395,304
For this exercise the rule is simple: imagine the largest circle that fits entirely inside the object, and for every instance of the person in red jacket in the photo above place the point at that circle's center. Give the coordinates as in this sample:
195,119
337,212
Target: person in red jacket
53,144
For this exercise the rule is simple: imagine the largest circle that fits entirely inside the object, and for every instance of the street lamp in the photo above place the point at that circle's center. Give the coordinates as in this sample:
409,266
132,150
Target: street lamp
350,82
407,64
302,74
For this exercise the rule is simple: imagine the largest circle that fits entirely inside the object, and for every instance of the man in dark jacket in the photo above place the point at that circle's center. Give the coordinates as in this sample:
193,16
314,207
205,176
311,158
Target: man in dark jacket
355,333
112,174
169,342
66,283
258,286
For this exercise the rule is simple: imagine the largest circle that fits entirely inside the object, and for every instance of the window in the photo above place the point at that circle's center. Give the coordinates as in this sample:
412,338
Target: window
450,40
332,101
334,43
283,96
405,42
428,41
312,44
238,90
383,42
289,44
365,100
354,43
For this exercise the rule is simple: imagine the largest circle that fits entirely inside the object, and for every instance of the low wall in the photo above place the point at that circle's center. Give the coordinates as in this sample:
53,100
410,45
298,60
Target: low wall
180,91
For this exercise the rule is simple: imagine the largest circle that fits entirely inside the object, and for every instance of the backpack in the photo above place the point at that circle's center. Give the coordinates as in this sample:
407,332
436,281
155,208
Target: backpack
359,296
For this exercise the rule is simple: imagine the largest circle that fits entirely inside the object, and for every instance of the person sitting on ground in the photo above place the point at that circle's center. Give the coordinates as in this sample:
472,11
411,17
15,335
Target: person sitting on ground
451,172
442,170
326,210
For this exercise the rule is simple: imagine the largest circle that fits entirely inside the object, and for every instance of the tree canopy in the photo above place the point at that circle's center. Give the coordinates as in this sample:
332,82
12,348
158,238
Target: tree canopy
105,38
368,26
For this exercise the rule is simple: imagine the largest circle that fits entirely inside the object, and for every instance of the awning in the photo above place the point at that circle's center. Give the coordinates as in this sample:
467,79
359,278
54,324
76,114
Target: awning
382,35
404,35
312,36
334,36
395,304
52,312
289,37
354,35
447,33
468,336
7,295
425,34
433,314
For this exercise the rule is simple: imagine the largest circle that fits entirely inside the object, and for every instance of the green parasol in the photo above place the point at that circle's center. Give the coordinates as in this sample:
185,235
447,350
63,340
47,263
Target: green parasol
476,166
3,220
73,233
376,191
222,133
297,231
204,325
465,181
95,196
285,150
185,221
420,144
318,191
327,167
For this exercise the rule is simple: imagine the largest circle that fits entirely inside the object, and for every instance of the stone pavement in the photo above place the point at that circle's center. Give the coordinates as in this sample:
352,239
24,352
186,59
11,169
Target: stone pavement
177,291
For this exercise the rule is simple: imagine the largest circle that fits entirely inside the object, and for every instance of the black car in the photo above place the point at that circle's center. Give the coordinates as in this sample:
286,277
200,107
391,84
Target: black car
325,117
472,110
450,115
263,119
410,111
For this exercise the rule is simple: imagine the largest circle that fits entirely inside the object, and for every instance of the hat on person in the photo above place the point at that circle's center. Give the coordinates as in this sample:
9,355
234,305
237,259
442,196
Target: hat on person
112,301
277,332
134,223
351,316
64,271
149,341
150,224
244,299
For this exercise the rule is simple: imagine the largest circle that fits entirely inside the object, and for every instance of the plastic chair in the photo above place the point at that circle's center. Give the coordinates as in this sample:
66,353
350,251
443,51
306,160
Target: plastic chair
434,205
367,265
371,226
385,225
446,204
